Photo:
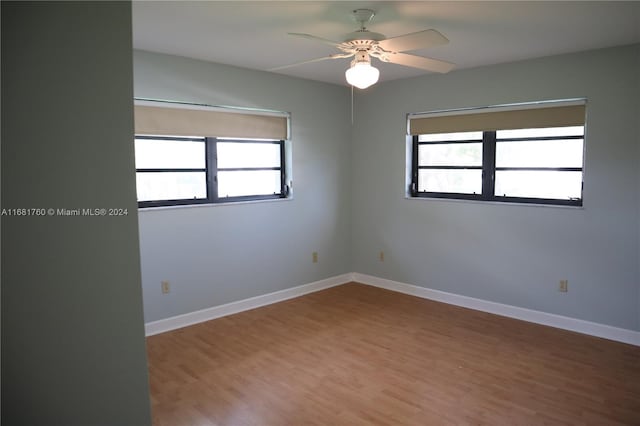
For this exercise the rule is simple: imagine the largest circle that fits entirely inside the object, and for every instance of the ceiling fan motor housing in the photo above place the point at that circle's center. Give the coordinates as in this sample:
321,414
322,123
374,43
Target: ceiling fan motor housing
363,37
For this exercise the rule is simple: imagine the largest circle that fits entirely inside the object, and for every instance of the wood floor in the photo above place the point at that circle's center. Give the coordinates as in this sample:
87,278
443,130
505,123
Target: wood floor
359,355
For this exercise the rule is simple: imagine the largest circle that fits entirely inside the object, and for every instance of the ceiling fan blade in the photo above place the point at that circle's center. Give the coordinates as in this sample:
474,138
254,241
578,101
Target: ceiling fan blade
414,61
336,56
413,41
314,38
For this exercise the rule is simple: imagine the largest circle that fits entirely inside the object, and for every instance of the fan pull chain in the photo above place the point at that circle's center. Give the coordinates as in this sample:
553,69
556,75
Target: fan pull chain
352,105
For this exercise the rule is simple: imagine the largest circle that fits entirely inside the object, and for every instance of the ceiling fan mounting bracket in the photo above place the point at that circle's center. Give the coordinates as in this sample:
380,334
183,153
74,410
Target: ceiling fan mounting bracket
362,16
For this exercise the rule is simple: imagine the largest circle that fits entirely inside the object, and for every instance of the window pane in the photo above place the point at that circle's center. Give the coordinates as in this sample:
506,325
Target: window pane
458,136
539,133
168,154
454,154
241,183
460,181
245,154
154,186
540,153
539,184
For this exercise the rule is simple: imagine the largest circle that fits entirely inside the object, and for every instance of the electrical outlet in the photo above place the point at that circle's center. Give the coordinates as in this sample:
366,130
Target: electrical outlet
314,257
563,286
381,256
165,287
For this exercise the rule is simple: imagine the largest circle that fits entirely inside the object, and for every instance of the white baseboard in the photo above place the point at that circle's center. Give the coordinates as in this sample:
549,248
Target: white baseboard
558,321
184,320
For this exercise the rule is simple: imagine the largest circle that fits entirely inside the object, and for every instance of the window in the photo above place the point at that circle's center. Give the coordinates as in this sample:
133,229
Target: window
248,163
449,163
537,164
540,164
174,170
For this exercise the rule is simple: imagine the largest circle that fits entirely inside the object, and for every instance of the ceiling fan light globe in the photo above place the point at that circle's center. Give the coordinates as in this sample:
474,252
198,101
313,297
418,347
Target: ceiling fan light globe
362,75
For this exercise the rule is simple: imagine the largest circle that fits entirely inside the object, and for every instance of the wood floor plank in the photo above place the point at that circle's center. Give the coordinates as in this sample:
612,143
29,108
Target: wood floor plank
358,355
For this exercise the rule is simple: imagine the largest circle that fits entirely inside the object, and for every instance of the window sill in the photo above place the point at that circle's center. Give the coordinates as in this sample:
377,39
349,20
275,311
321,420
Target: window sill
498,203
204,205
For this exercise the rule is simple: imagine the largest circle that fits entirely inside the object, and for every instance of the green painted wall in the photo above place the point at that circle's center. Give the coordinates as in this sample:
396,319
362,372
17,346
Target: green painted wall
73,349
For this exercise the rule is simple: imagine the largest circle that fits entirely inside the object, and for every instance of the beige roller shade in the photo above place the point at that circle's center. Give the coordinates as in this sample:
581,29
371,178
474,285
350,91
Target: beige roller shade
550,116
155,120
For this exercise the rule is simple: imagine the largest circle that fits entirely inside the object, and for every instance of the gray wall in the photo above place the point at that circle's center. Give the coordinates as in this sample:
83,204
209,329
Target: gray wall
213,255
349,203
505,253
72,326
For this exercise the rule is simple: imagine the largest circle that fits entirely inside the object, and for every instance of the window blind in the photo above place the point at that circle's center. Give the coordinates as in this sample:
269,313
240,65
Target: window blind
522,116
198,121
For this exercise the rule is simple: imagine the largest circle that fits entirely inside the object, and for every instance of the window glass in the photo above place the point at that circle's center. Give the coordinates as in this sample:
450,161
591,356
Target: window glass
450,154
539,184
541,132
153,186
169,154
244,183
458,136
444,180
540,153
246,154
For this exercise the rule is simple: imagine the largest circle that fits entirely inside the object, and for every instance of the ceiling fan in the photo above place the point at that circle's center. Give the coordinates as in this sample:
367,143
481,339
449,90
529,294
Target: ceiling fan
364,44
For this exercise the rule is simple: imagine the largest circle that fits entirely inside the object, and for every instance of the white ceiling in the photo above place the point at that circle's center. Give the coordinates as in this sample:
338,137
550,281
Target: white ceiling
253,34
